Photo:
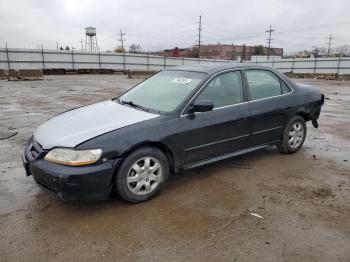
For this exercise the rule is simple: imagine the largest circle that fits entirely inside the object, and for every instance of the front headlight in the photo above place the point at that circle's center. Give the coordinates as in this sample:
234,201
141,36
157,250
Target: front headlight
71,157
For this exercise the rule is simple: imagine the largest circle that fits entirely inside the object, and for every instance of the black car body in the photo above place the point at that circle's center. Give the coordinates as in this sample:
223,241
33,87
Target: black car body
193,134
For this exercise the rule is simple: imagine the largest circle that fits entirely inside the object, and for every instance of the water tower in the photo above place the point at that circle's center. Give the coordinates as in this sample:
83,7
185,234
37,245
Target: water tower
90,39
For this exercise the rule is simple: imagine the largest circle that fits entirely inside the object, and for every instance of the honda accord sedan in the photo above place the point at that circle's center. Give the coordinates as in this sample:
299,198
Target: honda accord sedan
178,119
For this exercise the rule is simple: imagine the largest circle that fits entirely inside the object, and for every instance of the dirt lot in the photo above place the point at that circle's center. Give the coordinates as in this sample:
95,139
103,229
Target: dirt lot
202,214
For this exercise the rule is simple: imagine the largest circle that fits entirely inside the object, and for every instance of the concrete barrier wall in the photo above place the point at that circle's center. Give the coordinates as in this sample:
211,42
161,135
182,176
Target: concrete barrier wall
3,74
21,74
13,58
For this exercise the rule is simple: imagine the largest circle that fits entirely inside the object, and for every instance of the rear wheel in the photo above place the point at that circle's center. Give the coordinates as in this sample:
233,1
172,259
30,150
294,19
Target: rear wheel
294,135
142,174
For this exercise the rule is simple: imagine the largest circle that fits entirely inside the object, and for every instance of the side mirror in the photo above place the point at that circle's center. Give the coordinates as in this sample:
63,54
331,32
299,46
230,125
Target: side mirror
201,106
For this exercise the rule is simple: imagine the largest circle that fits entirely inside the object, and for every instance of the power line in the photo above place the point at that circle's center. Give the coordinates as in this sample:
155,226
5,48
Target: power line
167,30
171,28
169,35
122,39
284,34
319,26
269,41
223,31
214,37
215,32
330,38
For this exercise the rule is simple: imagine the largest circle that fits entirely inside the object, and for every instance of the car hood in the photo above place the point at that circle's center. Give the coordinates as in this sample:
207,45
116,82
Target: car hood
71,128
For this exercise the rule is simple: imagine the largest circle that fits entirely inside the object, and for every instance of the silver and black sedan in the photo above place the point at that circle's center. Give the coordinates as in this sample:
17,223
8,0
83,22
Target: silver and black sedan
178,119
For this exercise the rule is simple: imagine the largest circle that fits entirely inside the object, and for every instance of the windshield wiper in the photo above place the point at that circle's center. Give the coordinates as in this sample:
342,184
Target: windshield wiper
131,103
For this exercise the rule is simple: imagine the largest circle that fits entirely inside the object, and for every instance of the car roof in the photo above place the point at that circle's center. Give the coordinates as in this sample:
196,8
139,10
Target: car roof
210,68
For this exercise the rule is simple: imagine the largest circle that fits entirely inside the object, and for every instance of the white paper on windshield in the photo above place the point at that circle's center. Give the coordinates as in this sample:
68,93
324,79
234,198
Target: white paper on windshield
182,80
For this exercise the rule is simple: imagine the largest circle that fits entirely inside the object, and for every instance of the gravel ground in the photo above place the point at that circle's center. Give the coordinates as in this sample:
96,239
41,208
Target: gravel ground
202,215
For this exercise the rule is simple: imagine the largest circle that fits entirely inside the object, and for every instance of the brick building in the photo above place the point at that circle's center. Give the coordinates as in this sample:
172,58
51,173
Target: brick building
223,51
233,52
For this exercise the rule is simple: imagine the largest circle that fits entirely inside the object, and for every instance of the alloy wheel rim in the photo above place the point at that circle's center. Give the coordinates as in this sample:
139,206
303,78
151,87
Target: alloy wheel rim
144,176
296,135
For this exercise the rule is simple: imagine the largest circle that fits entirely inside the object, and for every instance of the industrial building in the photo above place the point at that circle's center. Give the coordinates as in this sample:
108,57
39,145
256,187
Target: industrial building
234,52
222,51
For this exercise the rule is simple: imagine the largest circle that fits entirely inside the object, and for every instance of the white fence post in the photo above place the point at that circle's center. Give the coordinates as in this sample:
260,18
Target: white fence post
43,57
8,58
73,59
338,66
148,65
315,65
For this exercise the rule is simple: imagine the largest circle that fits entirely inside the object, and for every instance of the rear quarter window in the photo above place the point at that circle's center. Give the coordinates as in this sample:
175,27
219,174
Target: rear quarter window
285,88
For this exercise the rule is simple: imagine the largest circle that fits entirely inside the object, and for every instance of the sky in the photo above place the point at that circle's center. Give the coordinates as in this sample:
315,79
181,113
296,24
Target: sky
159,24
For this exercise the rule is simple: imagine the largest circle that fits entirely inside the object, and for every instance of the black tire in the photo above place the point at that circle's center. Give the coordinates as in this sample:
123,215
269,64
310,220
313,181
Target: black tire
285,147
124,188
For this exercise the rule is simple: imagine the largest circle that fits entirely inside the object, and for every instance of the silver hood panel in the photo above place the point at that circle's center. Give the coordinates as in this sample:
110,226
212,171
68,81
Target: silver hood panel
74,127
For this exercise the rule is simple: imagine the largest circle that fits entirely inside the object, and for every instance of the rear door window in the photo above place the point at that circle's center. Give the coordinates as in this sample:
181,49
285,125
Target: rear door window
264,84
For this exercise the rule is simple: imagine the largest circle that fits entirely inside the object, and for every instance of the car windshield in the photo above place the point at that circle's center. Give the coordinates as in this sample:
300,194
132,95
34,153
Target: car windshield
163,92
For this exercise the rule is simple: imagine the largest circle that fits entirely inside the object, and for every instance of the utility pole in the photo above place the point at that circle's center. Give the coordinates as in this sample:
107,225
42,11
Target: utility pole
244,51
122,39
57,44
199,35
233,52
8,61
269,41
330,38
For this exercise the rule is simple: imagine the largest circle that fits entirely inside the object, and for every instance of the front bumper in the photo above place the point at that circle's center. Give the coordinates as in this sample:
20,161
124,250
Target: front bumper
92,182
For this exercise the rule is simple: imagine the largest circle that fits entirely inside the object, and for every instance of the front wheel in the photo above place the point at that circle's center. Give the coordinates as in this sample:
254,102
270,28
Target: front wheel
142,174
294,135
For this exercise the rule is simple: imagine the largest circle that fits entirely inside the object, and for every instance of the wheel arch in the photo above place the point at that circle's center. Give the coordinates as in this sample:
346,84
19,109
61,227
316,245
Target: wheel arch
301,111
159,145
304,115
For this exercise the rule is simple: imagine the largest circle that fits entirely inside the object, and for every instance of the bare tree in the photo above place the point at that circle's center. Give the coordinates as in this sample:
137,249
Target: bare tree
259,50
343,50
135,48
319,51
193,52
118,49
